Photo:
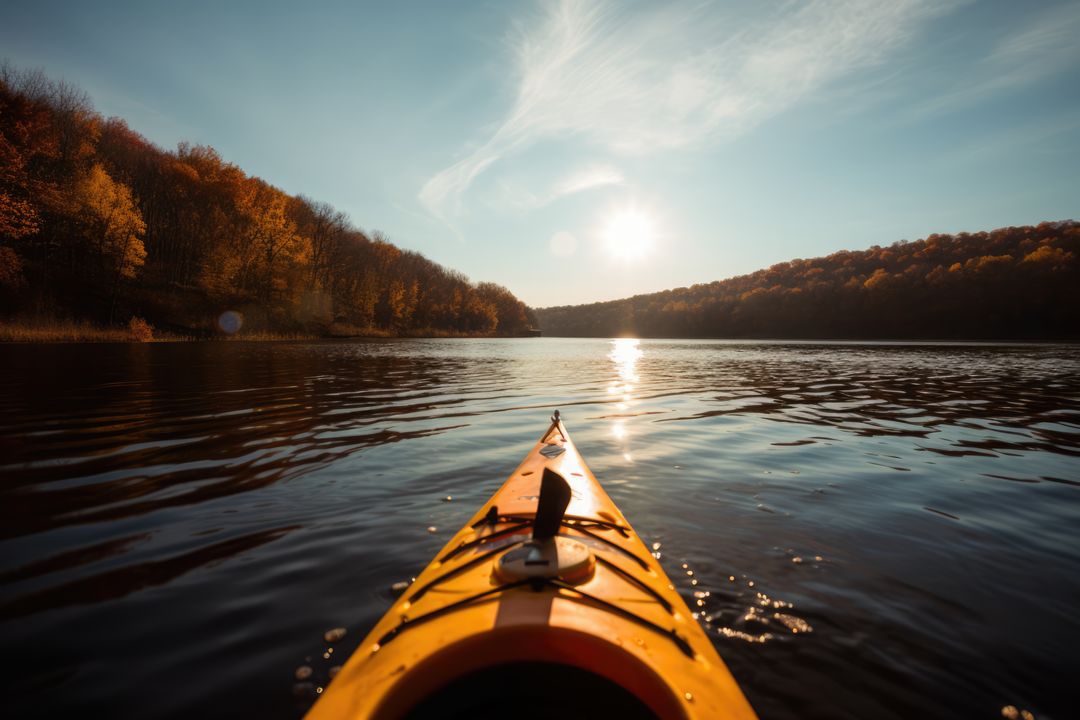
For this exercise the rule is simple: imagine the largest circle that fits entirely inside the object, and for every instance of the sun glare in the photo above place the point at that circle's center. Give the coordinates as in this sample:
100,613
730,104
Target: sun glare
629,235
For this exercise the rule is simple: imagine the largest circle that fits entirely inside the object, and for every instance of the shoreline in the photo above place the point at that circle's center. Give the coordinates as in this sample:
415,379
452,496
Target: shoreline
84,332
73,332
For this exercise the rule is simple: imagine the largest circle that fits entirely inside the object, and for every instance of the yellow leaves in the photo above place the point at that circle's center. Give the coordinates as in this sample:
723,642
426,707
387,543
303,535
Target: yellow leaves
131,257
269,229
988,262
264,254
1054,256
878,280
114,224
402,298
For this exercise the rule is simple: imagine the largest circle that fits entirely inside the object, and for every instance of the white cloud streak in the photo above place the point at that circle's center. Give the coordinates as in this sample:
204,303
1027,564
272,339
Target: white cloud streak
1044,46
586,178
1048,40
669,78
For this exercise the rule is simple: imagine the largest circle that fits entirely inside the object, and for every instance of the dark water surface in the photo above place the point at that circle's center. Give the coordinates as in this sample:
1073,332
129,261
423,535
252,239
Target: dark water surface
876,531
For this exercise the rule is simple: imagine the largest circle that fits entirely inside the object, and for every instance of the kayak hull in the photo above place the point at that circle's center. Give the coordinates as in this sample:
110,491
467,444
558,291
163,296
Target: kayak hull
622,621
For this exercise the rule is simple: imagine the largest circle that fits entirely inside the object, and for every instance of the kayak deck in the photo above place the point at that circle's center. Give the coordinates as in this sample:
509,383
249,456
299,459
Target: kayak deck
490,613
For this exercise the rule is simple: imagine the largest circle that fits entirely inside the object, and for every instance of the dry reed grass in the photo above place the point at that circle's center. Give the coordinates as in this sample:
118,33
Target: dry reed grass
80,331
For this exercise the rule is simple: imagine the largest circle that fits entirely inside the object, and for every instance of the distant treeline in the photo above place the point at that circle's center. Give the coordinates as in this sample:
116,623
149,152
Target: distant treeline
98,223
1013,283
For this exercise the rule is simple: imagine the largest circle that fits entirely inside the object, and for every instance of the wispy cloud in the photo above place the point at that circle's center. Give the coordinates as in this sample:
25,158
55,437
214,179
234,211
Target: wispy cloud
1045,45
665,77
1047,41
588,177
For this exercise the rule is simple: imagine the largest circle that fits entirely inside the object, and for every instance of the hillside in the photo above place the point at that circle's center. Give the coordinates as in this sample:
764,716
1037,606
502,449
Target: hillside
1019,283
98,224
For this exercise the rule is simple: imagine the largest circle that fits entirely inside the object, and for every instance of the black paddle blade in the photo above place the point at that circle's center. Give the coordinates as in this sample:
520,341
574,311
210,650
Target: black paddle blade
554,497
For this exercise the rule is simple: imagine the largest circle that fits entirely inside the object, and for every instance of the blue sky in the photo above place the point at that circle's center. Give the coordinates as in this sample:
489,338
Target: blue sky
532,143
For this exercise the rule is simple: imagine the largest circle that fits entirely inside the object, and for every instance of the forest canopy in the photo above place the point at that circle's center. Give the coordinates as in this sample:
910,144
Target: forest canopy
98,223
1019,283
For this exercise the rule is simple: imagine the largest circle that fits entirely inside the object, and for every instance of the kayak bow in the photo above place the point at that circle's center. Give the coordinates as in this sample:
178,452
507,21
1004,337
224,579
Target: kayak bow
546,604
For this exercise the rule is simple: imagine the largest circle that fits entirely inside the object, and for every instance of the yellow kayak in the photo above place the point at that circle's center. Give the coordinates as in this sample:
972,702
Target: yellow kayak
546,604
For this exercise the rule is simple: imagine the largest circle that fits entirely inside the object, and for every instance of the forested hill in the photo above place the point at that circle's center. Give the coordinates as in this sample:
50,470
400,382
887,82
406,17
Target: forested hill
98,223
1018,283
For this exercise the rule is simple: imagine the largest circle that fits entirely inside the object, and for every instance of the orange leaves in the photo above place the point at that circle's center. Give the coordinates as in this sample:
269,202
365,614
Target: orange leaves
879,279
988,263
11,270
1048,255
18,217
91,200
1017,282
113,223
141,331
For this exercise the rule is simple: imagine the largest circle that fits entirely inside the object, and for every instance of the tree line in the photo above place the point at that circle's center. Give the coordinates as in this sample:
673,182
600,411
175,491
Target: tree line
1018,283
97,222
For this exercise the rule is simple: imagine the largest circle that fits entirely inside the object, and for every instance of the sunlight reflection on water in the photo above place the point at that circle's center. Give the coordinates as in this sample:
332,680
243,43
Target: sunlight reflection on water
625,353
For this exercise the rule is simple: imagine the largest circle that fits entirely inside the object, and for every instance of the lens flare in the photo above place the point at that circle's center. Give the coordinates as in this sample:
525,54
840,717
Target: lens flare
230,322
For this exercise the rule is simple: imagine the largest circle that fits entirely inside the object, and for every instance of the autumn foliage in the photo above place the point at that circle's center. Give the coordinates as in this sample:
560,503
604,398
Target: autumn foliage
141,331
1018,283
97,223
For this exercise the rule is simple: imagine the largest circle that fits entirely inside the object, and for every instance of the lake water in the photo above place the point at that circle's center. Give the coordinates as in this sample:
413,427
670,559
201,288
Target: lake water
883,531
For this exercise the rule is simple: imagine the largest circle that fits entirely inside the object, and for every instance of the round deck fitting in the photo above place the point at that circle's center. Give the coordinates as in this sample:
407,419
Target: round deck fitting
566,559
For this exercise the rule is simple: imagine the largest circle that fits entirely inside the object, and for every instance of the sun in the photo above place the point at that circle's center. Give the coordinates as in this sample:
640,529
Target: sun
629,234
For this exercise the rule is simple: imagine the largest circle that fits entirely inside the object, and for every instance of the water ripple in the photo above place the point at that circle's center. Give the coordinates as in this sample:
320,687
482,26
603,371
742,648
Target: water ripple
864,530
